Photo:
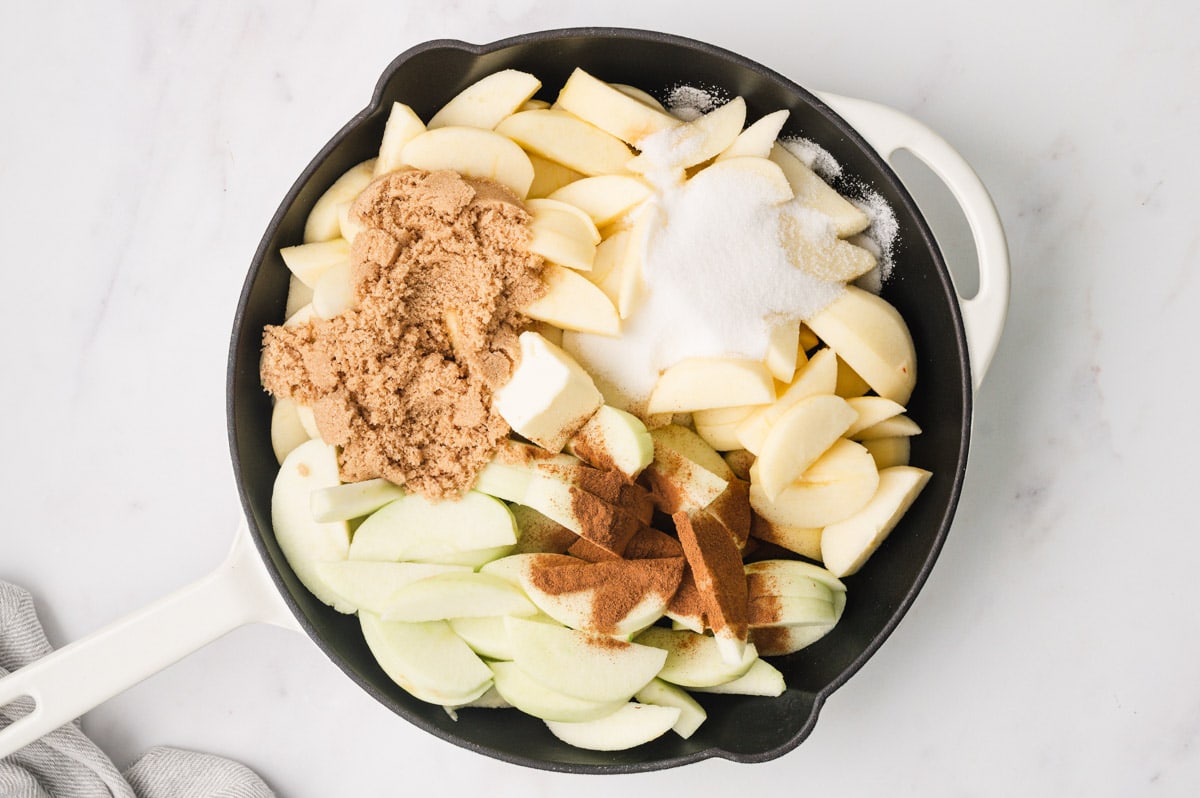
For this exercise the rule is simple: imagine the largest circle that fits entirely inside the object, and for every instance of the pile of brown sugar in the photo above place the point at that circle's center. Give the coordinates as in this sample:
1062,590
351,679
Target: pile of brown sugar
403,382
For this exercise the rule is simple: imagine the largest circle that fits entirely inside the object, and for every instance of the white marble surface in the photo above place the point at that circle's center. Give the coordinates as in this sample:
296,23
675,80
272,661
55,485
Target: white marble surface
1055,648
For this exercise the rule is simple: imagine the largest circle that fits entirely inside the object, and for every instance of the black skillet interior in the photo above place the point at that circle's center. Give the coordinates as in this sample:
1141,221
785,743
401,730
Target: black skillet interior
745,729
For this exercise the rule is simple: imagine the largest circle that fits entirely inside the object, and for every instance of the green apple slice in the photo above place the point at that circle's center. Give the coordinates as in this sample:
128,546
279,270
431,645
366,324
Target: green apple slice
427,659
788,578
416,528
792,610
664,694
613,439
534,698
353,499
369,585
456,595
694,660
305,542
763,679
592,667
630,726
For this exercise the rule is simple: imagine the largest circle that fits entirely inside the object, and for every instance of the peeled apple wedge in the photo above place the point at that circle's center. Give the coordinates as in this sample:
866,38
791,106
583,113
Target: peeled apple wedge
403,125
305,542
298,296
757,139
871,410
701,383
640,95
427,659
763,679
836,486
287,432
898,426
889,452
632,725
812,245
689,444
783,351
474,153
605,198
847,544
871,336
610,109
549,176
816,377
310,261
718,426
322,223
613,438
803,540
813,192
564,138
487,101
562,233
703,138
334,292
798,438
572,302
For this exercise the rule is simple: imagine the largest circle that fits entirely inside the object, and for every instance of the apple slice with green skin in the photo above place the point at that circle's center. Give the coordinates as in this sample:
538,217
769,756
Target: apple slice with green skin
610,109
472,558
287,431
836,486
694,660
322,223
871,410
305,542
889,452
418,529
564,138
613,439
472,153
487,101
716,563
457,595
486,636
815,193
605,198
591,667
369,585
353,499
778,641
573,302
847,544
689,444
534,698
791,611
427,659
763,679
700,383
562,233
549,396
630,726
740,462
403,125
899,426
758,138
789,578
664,694
309,261
872,337
798,438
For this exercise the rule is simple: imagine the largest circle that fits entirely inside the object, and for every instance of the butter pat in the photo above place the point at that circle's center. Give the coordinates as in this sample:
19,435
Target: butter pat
549,396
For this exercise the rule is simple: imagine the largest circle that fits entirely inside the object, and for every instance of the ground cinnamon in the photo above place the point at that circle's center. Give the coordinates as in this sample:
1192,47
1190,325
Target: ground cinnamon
718,570
616,587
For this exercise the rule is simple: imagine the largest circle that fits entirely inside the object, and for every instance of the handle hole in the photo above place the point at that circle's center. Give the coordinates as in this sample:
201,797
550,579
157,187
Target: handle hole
945,217
18,707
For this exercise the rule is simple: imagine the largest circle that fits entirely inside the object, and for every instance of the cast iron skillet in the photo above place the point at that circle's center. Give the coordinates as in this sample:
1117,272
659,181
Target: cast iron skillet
249,584
746,729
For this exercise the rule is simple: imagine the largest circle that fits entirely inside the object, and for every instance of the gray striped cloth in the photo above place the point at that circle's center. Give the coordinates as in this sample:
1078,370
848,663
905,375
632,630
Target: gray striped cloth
66,764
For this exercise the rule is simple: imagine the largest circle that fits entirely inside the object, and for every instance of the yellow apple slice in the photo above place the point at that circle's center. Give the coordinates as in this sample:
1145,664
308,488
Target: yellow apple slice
798,438
549,176
307,420
562,233
334,292
611,257
610,109
689,444
803,540
810,242
871,410
286,430
783,350
298,296
403,125
894,427
847,544
566,139
349,223
813,192
640,95
889,452
849,384
309,261
572,302
605,198
817,376
487,101
836,486
757,139
776,187
700,383
718,426
871,336
693,142
474,153
322,222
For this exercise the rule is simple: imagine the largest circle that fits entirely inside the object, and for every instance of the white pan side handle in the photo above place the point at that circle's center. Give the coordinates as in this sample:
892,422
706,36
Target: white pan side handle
888,130
83,674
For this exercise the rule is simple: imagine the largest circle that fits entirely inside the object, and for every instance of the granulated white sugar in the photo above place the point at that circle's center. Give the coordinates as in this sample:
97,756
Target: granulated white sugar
814,156
882,234
689,102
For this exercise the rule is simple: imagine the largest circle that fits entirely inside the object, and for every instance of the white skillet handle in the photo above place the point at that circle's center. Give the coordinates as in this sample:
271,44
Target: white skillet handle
79,676
888,130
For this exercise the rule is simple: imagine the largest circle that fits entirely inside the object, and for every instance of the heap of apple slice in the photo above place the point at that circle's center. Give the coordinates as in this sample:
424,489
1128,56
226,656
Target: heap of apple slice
804,452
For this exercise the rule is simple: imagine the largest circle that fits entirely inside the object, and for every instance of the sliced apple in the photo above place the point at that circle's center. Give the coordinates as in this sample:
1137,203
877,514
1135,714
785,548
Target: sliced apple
783,349
775,188
816,377
474,153
298,296
716,563
763,679
564,138
692,446
539,534
613,439
871,410
694,660
562,233
574,303
872,337
777,641
334,292
798,438
718,426
847,544
302,316
630,726
287,431
898,426
487,101
757,139
368,585
679,483
403,125
549,396
605,198
610,109
849,384
352,500
663,694
700,383
803,540
694,142
457,595
534,698
791,611
739,461
815,193
640,95
418,529
889,452
549,176
789,578
427,659
309,261
835,487
305,542
322,222
591,667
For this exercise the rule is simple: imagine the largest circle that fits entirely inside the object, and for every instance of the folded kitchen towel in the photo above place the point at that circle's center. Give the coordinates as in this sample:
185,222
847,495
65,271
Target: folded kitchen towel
66,764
